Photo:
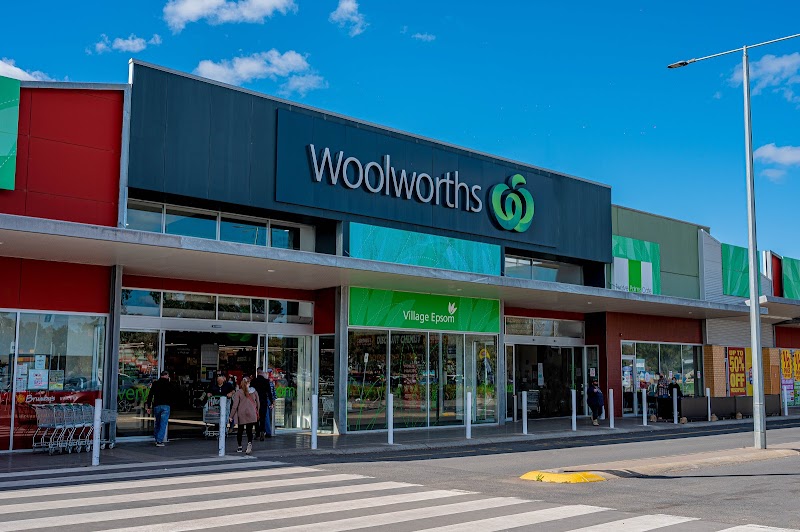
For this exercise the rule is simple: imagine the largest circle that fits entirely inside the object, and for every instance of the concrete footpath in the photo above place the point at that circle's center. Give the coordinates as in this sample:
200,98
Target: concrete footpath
549,433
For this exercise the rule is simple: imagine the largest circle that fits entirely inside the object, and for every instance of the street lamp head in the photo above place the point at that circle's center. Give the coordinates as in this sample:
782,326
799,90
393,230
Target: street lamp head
680,64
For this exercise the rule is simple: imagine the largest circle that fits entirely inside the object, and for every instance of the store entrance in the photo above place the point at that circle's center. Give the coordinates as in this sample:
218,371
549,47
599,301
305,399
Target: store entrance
548,374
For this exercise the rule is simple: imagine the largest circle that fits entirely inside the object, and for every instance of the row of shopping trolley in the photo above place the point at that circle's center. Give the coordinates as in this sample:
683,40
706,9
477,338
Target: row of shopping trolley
70,427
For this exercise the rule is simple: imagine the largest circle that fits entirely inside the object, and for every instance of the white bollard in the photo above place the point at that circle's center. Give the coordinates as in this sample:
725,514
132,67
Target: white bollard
515,407
314,420
223,425
468,412
390,418
675,406
525,413
611,408
708,400
635,403
785,401
644,408
574,410
97,429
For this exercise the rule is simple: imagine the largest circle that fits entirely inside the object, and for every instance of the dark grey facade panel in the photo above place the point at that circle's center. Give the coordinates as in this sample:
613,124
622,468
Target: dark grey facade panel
213,143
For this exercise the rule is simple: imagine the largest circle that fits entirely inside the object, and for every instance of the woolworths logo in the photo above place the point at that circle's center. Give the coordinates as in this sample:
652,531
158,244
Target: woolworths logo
512,206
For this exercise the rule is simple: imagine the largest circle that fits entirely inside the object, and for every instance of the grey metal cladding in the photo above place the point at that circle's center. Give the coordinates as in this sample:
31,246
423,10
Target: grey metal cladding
202,140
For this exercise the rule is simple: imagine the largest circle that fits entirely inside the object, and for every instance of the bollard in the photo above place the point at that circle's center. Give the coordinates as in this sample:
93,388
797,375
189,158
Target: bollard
635,403
468,411
611,408
314,420
708,400
785,402
390,418
97,429
675,406
515,407
574,410
223,425
525,413
644,408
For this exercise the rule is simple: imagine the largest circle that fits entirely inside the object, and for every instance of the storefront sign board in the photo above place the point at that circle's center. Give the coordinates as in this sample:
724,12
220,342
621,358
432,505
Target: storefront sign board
737,376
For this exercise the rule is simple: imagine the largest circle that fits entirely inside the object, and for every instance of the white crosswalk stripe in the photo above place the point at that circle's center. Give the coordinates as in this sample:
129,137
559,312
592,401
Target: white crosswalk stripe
275,496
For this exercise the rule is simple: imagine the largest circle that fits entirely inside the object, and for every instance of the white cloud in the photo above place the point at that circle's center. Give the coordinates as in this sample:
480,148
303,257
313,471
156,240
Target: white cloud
347,14
177,13
291,65
780,73
132,44
303,84
718,95
776,175
424,37
10,70
782,155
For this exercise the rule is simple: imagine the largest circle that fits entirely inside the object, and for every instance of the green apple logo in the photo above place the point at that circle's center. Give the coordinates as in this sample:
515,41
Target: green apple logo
515,212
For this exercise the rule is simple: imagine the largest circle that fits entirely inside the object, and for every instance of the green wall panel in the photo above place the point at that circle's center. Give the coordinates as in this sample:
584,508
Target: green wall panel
9,124
791,278
387,309
420,249
735,271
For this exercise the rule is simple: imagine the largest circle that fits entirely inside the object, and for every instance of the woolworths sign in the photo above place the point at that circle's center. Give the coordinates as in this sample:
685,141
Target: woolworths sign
406,310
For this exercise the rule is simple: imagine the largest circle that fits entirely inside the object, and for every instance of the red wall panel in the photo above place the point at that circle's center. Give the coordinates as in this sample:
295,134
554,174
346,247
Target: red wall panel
787,337
325,311
56,286
547,314
68,154
777,276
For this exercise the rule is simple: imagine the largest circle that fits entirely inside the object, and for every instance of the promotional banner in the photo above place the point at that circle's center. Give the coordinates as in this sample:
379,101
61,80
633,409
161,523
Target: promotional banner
796,358
787,374
636,266
406,310
748,370
737,376
9,120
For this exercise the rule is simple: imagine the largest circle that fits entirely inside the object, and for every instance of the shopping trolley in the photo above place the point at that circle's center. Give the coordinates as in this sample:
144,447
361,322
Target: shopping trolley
108,428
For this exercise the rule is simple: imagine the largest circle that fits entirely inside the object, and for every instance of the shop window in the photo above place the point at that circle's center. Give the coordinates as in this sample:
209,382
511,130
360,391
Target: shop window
541,270
366,380
141,302
243,232
521,326
197,306
284,237
482,376
138,368
259,309
234,308
569,329
144,217
282,311
8,331
543,327
671,364
519,268
191,223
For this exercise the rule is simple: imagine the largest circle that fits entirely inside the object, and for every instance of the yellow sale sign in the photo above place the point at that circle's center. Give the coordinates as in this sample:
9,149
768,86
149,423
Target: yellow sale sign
787,371
737,376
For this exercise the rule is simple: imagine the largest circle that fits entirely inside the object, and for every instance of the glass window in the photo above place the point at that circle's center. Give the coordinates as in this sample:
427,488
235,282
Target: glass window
522,326
519,268
232,230
446,379
545,272
282,311
144,217
141,302
569,329
234,308
284,237
180,305
8,332
543,327
259,309
671,364
189,223
647,365
366,380
138,368
482,355
290,359
408,378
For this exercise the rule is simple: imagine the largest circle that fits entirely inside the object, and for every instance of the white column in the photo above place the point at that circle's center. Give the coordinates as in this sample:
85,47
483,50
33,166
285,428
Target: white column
468,415
97,429
524,412
223,425
574,395
644,408
314,420
611,408
675,406
390,417
708,399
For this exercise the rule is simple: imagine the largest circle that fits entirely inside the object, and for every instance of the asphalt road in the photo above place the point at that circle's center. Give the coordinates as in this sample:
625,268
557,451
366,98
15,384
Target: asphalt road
763,492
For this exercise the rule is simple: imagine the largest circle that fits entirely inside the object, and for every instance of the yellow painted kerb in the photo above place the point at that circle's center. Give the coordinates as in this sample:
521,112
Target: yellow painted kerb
562,478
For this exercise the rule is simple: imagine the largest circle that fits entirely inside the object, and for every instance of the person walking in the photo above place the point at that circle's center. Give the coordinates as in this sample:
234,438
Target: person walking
595,400
264,387
161,399
245,413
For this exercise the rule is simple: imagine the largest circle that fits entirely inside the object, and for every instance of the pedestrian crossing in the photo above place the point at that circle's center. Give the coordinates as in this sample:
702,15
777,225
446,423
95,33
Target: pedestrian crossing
252,494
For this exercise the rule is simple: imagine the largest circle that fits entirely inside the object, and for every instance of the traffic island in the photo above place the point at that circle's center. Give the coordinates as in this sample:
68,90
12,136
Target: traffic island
562,478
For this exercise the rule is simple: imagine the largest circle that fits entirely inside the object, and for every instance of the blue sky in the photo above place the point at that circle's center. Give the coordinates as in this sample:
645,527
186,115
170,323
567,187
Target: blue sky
579,87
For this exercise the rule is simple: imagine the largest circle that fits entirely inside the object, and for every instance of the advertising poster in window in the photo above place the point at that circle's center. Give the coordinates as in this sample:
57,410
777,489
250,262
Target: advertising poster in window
748,365
796,357
737,377
38,379
787,375
56,380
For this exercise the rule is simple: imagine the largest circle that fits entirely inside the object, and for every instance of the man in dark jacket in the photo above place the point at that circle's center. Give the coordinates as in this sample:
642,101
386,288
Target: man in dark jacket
264,388
161,398
595,401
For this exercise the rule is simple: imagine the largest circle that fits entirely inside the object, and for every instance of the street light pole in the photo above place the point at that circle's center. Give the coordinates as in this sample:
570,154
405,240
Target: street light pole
759,412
